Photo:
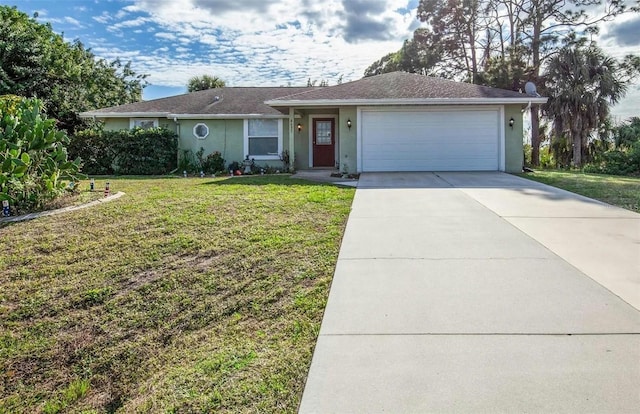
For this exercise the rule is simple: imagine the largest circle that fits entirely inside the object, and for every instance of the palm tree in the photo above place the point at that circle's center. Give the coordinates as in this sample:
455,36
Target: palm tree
583,83
200,83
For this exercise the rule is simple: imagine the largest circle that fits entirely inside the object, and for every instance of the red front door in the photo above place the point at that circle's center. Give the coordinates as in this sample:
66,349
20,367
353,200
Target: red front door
324,142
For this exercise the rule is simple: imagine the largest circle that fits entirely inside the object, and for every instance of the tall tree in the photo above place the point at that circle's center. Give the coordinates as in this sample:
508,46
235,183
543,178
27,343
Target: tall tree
67,77
414,57
204,82
583,84
545,22
457,28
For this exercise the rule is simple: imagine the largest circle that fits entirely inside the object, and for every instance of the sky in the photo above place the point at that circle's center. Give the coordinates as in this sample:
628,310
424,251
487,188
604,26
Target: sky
262,42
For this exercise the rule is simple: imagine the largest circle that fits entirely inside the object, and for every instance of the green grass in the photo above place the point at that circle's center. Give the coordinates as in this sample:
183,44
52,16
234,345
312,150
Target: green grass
616,190
185,295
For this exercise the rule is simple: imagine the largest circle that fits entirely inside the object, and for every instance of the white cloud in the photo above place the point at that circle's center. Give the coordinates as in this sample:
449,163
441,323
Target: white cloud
104,18
263,42
166,35
139,21
73,21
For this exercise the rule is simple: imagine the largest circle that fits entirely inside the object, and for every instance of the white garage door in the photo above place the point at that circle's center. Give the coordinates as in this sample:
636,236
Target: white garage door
446,140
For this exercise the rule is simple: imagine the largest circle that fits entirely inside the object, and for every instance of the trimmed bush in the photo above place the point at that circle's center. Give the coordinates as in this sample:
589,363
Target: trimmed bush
126,152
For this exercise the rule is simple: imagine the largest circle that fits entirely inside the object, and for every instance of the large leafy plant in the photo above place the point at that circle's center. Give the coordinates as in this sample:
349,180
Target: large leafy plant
34,166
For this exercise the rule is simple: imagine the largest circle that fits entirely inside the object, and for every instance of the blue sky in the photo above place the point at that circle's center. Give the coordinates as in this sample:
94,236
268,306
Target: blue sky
260,42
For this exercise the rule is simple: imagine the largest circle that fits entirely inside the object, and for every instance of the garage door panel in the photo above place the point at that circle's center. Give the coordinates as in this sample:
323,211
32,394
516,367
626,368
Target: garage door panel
429,140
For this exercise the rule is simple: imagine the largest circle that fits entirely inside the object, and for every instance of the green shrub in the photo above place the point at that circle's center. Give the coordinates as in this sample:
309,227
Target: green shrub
618,162
213,163
546,157
127,152
34,165
94,149
526,154
193,164
188,162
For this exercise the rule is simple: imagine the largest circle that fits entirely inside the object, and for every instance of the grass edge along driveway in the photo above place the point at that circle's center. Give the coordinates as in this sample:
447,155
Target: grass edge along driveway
616,190
186,295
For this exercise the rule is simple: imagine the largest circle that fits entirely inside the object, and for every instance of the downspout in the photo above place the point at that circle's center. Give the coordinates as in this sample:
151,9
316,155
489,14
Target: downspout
175,120
292,156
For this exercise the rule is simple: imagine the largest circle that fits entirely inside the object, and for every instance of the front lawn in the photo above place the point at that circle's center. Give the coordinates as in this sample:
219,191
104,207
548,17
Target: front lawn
616,190
185,295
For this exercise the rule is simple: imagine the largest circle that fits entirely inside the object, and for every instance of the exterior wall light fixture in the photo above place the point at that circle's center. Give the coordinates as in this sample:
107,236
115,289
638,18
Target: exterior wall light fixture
511,122
299,127
349,123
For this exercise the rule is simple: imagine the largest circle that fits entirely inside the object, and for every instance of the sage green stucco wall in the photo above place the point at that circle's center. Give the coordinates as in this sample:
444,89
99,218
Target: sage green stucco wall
513,149
348,143
301,142
225,136
116,124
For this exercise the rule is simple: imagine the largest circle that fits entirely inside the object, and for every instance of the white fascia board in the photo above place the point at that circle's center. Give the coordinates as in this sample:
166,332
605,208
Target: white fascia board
438,101
227,116
98,114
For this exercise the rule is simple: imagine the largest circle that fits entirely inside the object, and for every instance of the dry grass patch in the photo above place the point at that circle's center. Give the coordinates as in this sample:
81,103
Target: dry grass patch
186,295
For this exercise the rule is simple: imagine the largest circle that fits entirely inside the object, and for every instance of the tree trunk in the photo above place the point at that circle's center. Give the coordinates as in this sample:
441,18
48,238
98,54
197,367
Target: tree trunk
535,136
535,112
577,150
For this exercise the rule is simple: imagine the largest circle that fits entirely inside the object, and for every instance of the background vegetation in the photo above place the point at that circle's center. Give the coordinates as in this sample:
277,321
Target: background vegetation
201,83
36,62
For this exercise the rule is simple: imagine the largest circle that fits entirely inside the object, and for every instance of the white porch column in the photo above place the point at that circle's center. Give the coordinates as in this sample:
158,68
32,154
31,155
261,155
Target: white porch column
292,137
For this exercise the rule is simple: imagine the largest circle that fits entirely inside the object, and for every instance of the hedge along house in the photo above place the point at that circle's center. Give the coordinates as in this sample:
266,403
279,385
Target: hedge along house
391,122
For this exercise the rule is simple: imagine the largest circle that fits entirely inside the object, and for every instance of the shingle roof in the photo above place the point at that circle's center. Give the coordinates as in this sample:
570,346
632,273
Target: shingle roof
230,101
401,85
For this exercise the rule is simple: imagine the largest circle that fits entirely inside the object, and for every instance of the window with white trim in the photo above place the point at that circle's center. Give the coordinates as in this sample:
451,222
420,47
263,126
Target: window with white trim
201,130
144,123
263,138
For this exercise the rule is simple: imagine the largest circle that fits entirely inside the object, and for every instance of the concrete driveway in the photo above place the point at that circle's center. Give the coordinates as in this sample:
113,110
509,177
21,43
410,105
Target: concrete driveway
480,293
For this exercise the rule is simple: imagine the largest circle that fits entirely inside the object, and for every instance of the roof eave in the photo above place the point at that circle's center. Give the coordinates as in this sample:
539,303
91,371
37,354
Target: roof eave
226,116
98,114
419,101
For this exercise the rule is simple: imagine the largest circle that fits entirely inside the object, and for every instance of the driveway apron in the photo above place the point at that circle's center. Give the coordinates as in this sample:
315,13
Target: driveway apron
479,293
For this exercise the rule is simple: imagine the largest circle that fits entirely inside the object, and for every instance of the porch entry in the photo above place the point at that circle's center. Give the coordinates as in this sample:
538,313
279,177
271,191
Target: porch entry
324,142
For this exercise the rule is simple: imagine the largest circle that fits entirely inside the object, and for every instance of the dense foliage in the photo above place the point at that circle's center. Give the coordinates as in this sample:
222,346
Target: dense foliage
34,166
212,163
126,152
201,83
36,62
624,157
